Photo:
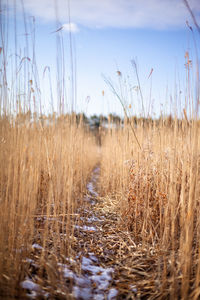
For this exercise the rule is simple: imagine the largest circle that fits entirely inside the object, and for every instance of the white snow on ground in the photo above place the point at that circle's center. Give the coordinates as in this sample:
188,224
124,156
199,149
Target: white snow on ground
67,273
89,228
36,246
83,293
33,289
100,276
90,188
94,281
85,228
91,219
112,294
133,288
28,284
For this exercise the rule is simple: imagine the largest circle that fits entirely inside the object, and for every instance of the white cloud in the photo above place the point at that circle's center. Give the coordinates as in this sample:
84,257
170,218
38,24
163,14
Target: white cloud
70,27
156,14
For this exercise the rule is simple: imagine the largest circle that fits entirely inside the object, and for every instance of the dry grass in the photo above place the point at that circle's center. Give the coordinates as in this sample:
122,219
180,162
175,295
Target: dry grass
153,189
45,163
159,197
43,175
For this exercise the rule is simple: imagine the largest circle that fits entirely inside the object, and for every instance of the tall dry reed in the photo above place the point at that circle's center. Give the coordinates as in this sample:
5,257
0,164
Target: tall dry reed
44,170
159,197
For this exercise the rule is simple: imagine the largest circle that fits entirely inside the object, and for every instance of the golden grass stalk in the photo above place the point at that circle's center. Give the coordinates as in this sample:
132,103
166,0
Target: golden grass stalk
44,170
158,194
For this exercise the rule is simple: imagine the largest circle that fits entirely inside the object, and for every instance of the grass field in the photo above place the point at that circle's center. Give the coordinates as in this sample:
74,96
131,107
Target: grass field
111,211
44,172
158,194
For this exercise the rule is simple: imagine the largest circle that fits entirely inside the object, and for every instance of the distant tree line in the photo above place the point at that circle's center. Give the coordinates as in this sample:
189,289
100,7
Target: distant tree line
95,121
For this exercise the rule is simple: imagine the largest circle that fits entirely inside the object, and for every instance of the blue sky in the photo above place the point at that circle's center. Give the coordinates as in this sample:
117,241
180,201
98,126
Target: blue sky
106,36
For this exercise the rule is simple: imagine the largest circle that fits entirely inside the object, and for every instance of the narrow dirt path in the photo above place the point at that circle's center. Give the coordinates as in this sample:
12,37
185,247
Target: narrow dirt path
95,278
104,262
110,264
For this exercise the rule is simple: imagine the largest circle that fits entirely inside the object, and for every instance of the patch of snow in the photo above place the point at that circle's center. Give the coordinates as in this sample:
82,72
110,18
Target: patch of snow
133,288
70,260
36,246
112,294
93,219
83,282
100,276
28,284
96,170
89,228
86,261
29,260
82,293
91,189
93,257
94,281
102,279
34,289
99,297
32,295
85,228
68,273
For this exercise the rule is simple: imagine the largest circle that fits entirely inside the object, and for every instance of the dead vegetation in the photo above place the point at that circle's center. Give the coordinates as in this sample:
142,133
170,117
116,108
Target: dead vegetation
44,171
158,190
143,224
